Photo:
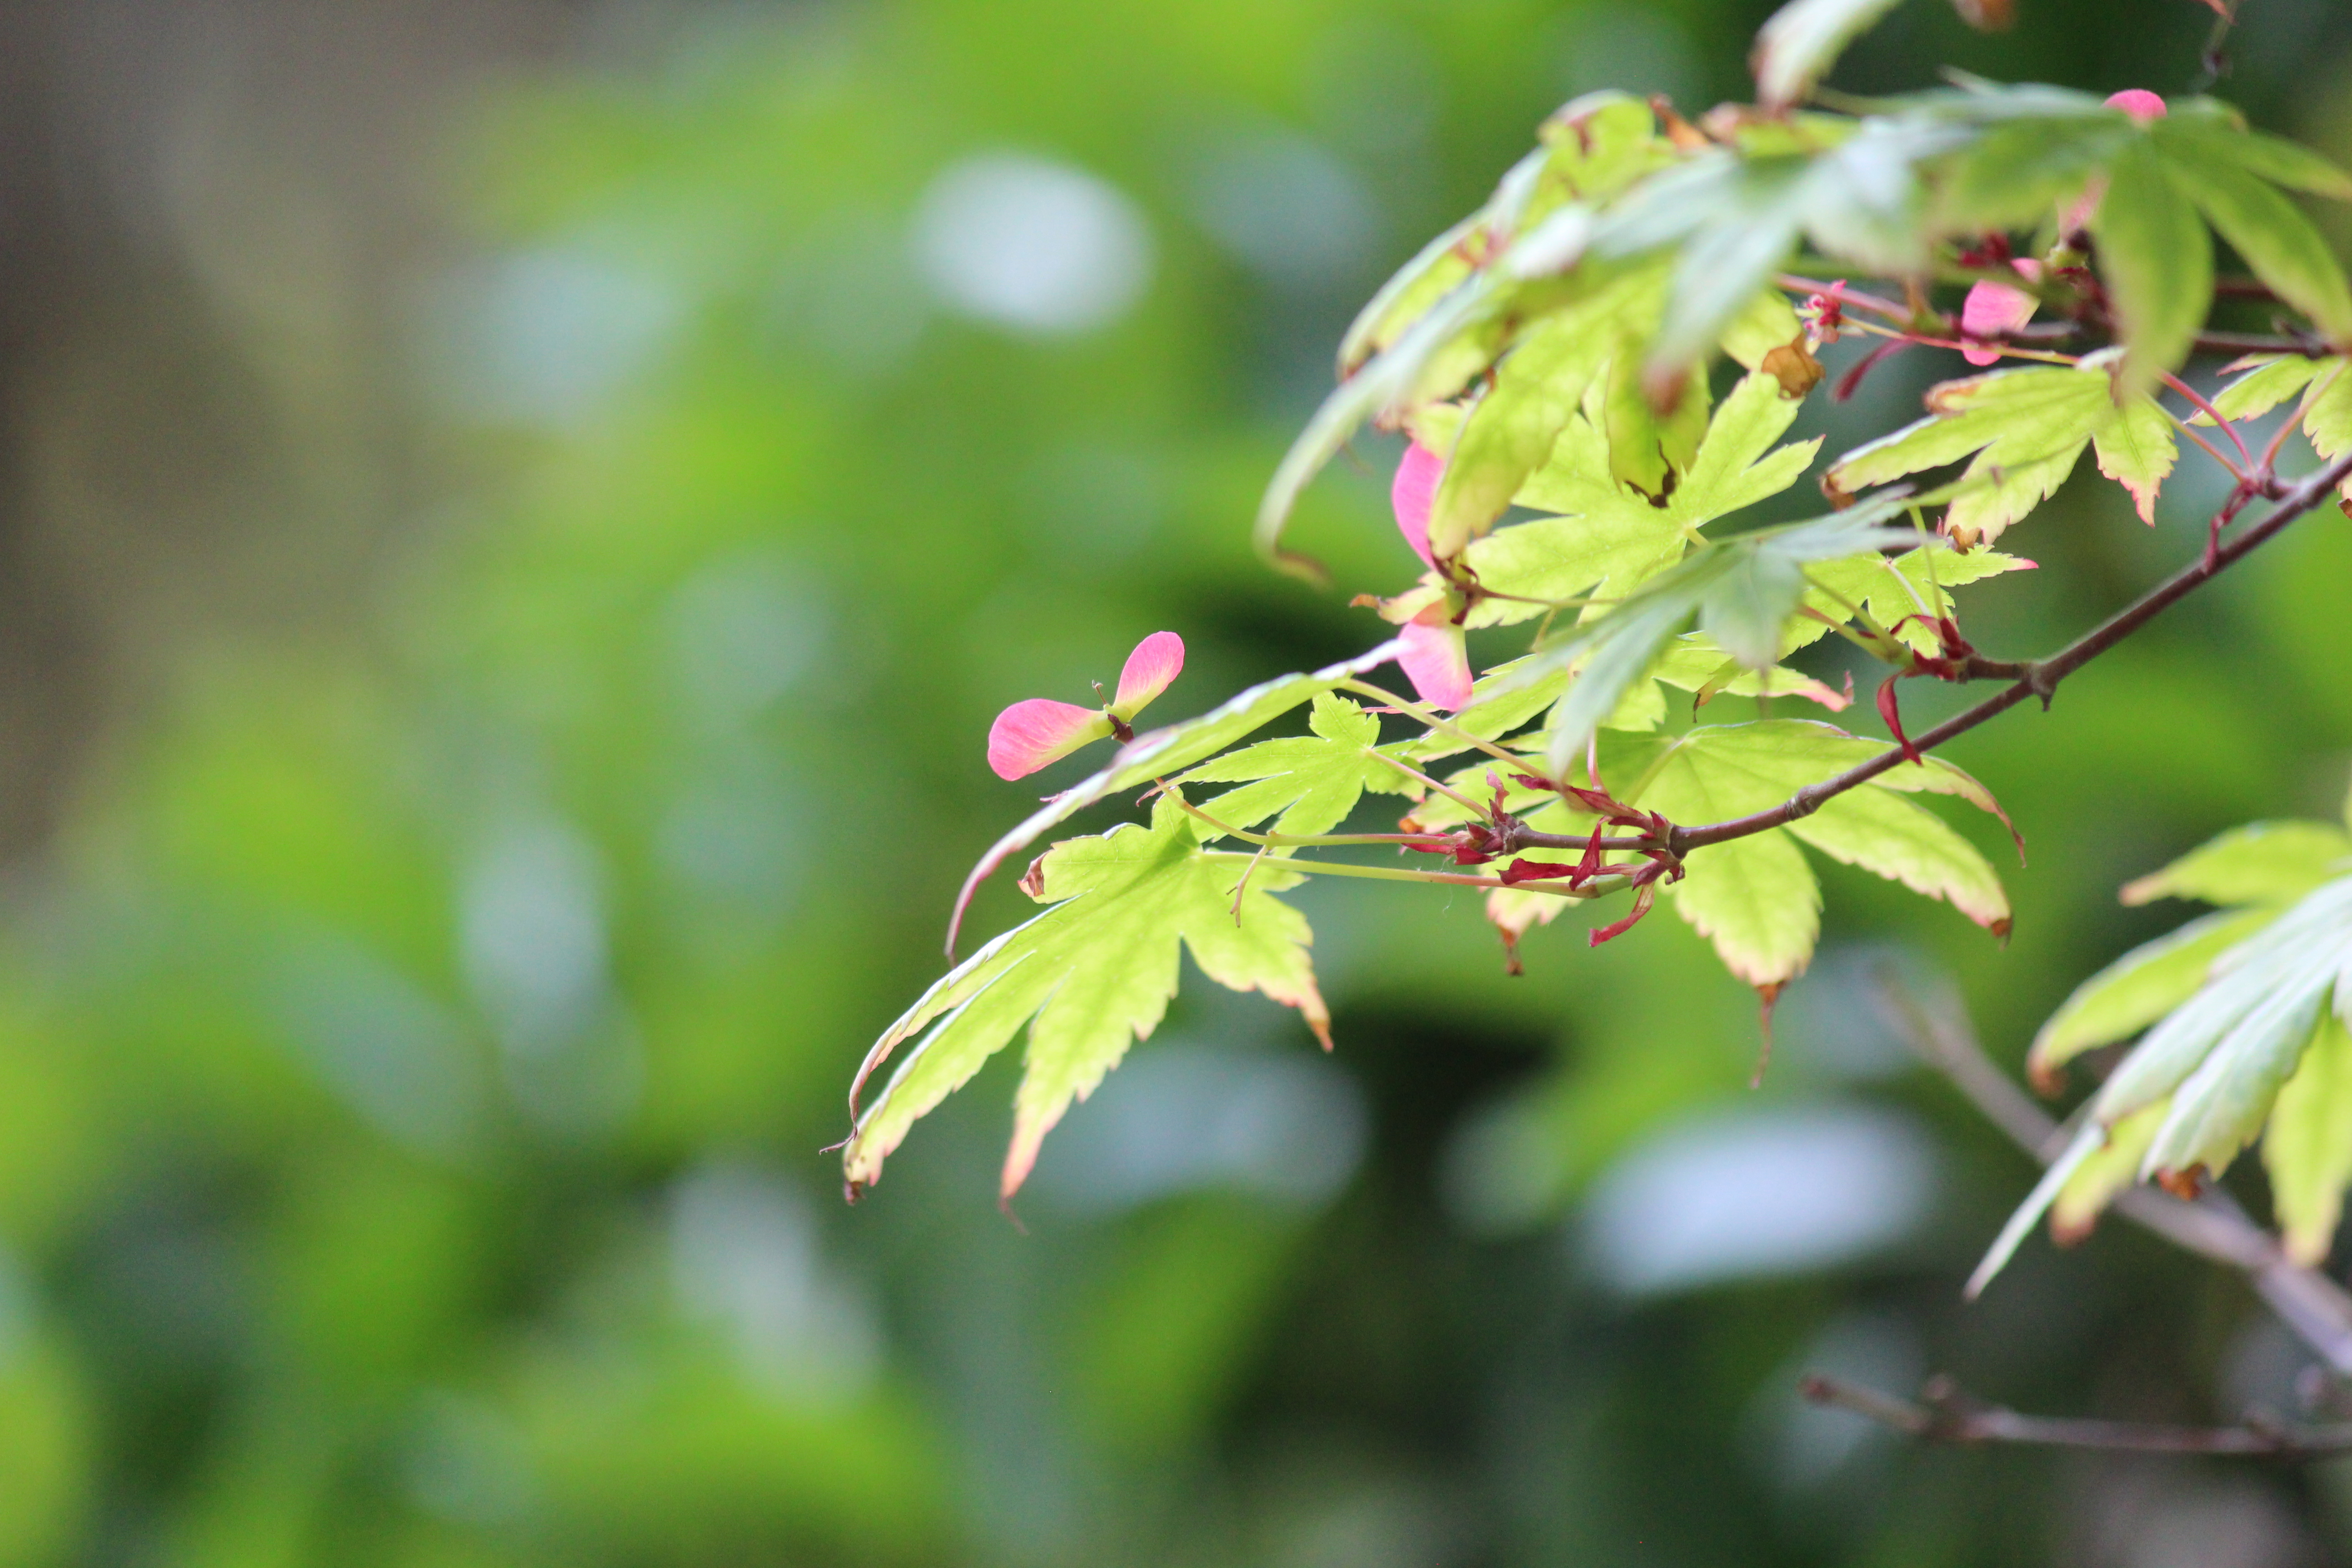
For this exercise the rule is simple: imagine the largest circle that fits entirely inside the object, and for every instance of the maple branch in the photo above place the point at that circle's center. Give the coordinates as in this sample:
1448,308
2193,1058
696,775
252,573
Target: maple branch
1948,1415
2313,1306
2041,677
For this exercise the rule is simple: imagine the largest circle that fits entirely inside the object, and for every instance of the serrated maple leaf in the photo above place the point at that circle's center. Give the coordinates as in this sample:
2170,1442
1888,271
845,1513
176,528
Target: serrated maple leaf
1755,898
2022,431
1313,781
2245,1011
1606,537
1089,976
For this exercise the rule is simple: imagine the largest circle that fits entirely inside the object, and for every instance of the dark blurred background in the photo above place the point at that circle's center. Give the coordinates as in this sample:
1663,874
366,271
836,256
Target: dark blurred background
514,517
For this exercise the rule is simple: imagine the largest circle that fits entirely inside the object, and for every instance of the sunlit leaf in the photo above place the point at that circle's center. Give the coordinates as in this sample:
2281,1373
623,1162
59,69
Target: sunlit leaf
1609,538
2260,862
1313,781
2158,262
2105,1172
1757,900
2308,1147
2138,989
2023,430
1511,429
1162,753
1749,587
1089,976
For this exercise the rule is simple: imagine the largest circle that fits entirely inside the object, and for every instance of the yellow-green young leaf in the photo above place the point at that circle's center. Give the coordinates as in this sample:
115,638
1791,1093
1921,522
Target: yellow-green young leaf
2265,381
2025,429
1691,662
2158,262
1884,834
2327,412
1608,540
1743,592
1893,589
2107,1171
2259,862
2219,1108
1755,898
2270,379
2280,966
2138,989
1314,781
1648,449
2136,448
1161,753
1511,430
2276,241
1802,40
1611,539
1758,901
1088,976
2308,1147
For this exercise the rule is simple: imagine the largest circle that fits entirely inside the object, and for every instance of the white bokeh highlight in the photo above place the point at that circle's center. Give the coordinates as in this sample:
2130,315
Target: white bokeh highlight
1756,1194
1030,244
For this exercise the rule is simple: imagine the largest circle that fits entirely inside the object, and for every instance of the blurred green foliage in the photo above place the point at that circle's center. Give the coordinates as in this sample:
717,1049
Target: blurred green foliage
419,1040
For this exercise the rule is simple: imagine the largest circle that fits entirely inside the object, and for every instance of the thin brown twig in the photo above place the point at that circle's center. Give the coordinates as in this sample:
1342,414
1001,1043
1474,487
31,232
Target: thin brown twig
1948,1415
2314,1307
2041,677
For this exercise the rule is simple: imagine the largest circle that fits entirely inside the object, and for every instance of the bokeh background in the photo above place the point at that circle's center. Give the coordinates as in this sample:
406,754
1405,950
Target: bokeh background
516,516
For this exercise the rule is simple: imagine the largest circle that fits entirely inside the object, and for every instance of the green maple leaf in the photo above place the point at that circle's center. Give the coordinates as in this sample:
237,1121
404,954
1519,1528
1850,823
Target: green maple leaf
1893,590
1755,898
1314,781
1475,291
2023,430
1742,591
2254,871
1607,537
2237,1002
2325,411
1089,976
2158,184
2308,1144
1163,753
1537,387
